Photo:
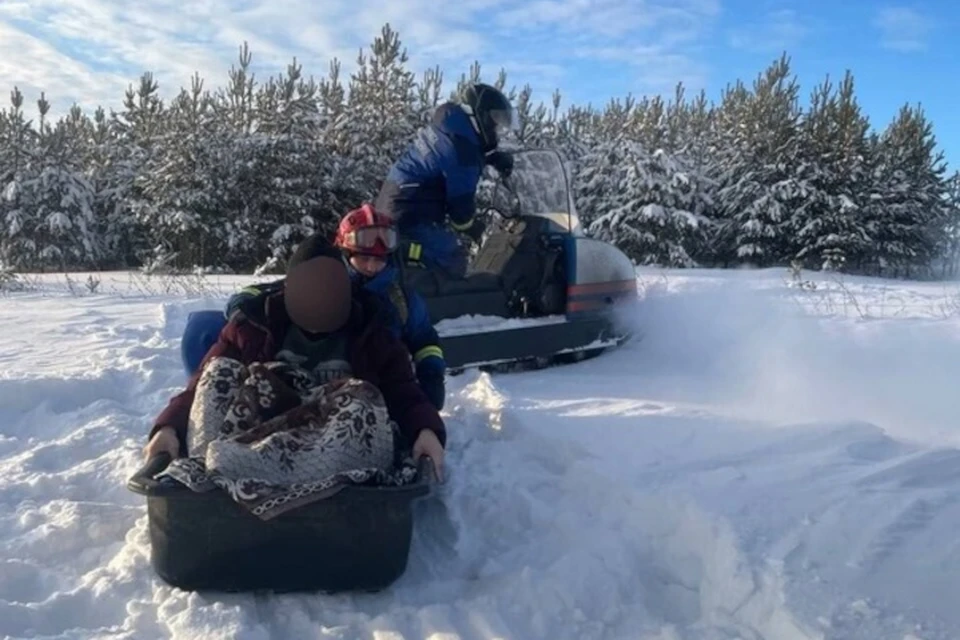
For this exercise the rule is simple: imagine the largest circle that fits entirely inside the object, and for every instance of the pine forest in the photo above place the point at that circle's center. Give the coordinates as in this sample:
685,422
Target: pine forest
229,178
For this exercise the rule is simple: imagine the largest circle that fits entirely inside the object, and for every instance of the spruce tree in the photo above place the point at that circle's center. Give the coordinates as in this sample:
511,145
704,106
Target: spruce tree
61,195
949,246
906,213
828,225
18,221
655,213
381,115
758,167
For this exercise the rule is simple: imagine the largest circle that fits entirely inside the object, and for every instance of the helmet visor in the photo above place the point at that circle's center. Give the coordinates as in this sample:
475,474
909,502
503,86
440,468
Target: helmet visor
505,120
368,239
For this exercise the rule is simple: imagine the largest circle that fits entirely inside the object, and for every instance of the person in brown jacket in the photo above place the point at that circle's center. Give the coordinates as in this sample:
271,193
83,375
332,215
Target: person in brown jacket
321,322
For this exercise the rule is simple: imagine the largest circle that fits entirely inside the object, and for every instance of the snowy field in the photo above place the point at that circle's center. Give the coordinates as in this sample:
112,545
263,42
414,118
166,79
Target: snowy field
772,460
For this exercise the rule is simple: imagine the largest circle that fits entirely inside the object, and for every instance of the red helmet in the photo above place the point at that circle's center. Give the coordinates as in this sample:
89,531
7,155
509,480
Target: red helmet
365,231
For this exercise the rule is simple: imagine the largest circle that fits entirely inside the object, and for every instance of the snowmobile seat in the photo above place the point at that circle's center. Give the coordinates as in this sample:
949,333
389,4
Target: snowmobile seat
480,293
355,540
479,282
433,283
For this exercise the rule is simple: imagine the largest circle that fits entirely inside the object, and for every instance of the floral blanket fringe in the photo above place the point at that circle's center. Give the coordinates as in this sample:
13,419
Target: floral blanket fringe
274,439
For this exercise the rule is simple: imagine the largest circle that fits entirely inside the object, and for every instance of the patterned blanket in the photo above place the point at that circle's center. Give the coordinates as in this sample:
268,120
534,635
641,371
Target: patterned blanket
274,439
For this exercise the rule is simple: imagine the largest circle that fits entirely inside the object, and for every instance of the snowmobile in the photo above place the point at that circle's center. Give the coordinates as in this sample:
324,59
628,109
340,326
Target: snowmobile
538,291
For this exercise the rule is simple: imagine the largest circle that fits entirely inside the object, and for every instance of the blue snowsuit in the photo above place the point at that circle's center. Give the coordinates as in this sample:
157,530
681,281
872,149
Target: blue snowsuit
436,177
406,316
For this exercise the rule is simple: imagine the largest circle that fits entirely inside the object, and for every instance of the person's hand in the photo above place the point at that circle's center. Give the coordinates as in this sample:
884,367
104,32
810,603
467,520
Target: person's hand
475,232
428,444
502,162
164,440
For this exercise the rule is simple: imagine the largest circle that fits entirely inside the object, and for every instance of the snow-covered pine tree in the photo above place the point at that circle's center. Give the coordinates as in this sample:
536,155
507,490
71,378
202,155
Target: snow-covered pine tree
949,250
240,149
648,125
309,187
691,136
471,76
18,243
61,196
595,185
382,111
655,211
135,132
906,212
576,134
429,92
729,168
48,202
179,203
757,167
637,186
277,160
331,94
271,176
107,170
345,181
538,124
829,227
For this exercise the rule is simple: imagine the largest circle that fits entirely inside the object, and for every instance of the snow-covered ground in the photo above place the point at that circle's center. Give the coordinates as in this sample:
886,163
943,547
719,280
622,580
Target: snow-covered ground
769,461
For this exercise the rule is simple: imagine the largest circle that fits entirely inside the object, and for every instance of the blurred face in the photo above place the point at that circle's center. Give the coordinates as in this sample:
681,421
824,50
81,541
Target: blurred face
317,295
368,265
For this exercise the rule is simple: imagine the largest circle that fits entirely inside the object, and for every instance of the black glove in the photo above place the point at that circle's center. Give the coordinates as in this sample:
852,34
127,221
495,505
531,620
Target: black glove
434,387
475,232
502,162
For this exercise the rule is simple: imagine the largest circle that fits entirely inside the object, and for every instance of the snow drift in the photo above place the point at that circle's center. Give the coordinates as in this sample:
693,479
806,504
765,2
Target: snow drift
766,462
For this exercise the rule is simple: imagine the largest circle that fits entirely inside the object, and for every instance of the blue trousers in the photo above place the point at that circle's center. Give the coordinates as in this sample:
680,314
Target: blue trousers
202,331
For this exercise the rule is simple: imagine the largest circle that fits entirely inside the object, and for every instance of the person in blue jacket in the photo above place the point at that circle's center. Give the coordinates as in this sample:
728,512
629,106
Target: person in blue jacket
368,240
437,175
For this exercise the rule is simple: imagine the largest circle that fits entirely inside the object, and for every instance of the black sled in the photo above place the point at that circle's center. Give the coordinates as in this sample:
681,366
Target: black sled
537,291
356,540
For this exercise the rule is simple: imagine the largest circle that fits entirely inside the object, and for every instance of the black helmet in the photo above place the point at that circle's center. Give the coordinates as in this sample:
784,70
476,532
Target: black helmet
490,112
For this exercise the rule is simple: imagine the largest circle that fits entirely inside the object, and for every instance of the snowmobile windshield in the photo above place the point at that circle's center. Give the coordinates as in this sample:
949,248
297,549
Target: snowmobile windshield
539,185
505,120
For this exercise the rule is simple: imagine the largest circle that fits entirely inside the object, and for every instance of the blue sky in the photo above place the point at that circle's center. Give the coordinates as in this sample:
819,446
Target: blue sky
88,51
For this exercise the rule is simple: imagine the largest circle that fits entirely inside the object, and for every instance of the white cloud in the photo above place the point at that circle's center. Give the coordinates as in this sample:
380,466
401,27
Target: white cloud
903,28
655,70
778,31
89,51
655,41
33,66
